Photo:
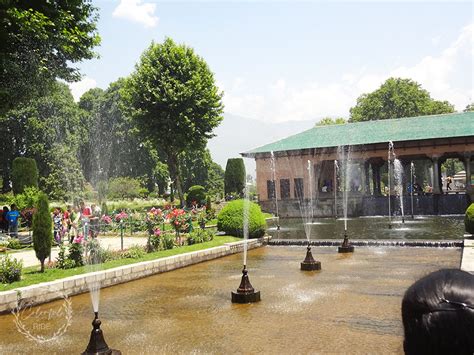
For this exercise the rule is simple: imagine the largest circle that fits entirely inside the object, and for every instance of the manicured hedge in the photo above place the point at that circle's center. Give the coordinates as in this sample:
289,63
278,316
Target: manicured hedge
197,194
24,174
469,219
234,179
230,219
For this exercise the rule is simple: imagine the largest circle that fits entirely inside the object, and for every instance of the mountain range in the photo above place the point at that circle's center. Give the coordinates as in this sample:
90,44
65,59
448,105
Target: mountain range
238,134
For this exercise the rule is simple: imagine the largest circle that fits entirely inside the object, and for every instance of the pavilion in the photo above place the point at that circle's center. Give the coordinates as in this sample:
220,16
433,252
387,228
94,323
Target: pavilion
286,167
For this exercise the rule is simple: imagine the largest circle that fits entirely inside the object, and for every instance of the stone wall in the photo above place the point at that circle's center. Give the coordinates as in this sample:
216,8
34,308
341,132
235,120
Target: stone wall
50,291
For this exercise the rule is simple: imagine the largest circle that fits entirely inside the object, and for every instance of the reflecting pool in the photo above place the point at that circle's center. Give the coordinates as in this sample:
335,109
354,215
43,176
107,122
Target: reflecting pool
352,305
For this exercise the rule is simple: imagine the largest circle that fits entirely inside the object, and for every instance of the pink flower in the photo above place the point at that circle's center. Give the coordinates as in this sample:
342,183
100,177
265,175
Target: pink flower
79,239
157,232
120,216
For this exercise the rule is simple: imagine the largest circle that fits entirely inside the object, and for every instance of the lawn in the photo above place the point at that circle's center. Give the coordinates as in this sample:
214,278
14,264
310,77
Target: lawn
31,275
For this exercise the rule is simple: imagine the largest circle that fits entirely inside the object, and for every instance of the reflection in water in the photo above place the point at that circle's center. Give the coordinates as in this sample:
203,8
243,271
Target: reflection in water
355,298
428,228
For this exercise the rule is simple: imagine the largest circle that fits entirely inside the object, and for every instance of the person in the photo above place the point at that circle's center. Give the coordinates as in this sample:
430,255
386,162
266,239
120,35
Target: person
438,314
449,180
4,220
75,219
57,225
94,221
12,218
86,214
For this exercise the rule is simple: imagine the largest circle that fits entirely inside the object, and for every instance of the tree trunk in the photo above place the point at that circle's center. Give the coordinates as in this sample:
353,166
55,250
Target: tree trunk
173,168
42,265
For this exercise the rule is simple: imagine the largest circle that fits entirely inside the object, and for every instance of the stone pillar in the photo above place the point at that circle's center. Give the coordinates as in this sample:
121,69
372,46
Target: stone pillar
436,175
366,178
376,165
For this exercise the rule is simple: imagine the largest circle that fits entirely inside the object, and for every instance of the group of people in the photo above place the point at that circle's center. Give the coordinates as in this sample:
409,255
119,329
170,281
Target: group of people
75,221
9,219
68,224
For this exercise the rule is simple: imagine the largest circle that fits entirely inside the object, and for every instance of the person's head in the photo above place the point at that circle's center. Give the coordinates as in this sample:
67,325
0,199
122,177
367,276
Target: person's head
56,210
82,204
5,209
438,314
13,207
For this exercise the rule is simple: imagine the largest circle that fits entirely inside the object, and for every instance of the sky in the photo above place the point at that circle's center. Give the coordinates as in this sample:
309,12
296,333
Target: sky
280,61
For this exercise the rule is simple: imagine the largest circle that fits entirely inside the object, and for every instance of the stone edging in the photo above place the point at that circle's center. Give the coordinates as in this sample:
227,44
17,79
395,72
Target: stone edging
73,285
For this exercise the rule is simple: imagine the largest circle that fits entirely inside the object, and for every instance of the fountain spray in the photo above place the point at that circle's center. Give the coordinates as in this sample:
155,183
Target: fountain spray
245,292
390,150
336,168
412,171
346,246
274,188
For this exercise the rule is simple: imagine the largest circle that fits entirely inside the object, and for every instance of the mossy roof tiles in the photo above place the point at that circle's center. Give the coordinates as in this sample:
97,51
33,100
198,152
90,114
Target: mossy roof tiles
372,132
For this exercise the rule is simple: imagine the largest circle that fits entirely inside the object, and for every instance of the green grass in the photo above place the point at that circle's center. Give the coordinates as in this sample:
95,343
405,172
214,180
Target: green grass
32,276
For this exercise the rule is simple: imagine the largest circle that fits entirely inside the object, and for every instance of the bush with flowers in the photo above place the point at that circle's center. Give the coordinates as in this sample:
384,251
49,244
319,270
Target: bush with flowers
119,217
179,220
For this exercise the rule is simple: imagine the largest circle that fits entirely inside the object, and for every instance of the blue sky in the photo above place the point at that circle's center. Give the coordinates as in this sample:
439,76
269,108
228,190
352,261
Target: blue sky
280,61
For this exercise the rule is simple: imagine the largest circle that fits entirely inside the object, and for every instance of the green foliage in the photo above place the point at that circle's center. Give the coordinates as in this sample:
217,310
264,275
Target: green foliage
167,241
27,199
134,252
234,181
10,269
330,121
174,102
469,107
230,219
14,244
124,187
397,98
197,194
452,166
40,40
62,261
24,174
200,236
42,230
469,219
75,256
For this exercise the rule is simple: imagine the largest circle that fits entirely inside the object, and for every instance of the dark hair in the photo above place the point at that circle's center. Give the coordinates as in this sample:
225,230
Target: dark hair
13,206
438,314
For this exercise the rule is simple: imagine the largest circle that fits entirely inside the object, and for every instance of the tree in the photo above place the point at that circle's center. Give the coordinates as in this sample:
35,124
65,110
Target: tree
124,187
48,129
469,107
39,40
24,174
234,181
174,102
397,98
42,230
330,121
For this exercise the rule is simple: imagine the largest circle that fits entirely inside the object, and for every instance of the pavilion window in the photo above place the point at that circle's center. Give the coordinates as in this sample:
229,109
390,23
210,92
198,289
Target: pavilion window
299,188
285,188
271,193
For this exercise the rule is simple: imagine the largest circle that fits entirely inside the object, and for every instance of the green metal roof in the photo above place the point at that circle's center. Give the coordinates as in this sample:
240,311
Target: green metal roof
380,131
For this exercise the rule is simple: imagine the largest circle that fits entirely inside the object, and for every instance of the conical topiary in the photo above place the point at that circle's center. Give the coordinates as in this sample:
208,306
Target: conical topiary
42,230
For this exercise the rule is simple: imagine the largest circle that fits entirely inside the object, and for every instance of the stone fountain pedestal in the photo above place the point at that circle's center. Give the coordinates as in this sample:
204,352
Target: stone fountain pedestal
97,344
245,293
309,264
346,246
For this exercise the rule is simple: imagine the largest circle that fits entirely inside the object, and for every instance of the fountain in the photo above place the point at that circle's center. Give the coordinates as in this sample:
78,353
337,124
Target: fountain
398,174
344,154
308,264
245,292
336,171
273,167
97,344
412,188
391,153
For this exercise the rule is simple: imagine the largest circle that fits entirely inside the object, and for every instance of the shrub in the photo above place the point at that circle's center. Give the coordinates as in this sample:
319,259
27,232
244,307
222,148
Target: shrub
10,269
197,194
134,252
14,244
234,179
75,254
230,219
27,199
62,261
24,174
469,219
167,241
124,187
42,231
200,236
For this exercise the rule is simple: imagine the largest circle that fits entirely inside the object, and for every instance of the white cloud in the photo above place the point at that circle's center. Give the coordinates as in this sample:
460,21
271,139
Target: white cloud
80,87
136,11
447,76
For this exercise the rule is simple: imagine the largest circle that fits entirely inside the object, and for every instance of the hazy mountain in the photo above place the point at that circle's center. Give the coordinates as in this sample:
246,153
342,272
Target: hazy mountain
239,134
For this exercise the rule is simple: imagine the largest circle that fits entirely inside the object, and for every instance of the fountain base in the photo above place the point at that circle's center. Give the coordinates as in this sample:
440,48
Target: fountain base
346,246
97,344
309,264
245,293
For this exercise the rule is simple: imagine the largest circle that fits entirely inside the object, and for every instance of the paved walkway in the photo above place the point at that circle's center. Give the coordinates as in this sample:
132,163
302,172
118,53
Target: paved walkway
29,257
467,261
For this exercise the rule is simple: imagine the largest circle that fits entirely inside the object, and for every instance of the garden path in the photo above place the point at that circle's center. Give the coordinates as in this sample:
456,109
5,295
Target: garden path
113,243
